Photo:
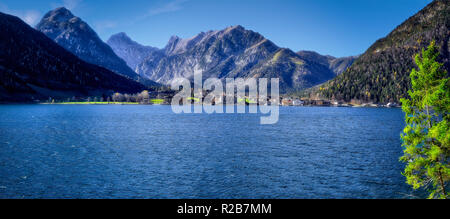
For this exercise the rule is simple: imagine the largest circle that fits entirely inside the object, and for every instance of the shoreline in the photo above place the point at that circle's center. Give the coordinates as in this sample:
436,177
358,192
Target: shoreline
131,103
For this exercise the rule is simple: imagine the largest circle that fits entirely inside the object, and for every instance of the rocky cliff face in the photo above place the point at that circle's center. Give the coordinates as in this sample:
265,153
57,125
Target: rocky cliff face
132,52
381,74
230,53
33,67
76,36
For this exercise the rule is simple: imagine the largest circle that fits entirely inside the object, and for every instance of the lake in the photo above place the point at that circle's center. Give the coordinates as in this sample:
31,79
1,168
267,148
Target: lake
95,151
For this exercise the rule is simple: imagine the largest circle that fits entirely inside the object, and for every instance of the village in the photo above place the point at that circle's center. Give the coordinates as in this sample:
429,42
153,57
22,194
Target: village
164,97
199,97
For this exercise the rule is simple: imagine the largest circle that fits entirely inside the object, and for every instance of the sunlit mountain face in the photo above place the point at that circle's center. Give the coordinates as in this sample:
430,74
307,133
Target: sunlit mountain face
231,53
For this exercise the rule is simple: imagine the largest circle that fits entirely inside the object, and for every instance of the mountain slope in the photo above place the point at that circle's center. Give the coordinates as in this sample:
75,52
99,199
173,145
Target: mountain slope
382,73
132,52
231,53
337,65
32,66
76,36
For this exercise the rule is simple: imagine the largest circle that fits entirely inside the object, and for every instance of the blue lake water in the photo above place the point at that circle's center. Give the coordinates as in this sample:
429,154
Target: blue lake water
59,151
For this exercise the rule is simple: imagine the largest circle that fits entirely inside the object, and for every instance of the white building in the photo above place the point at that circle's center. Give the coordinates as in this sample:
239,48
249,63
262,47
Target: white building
298,102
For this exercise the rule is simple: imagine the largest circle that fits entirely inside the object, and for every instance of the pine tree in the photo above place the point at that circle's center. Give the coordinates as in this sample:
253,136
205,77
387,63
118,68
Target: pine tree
426,137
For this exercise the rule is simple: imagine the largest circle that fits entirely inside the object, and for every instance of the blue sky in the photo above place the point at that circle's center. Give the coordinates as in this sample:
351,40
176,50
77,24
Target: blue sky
334,27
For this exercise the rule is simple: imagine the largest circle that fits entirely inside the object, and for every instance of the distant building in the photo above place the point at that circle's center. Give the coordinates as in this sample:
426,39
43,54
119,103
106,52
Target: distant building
337,103
287,102
274,101
392,105
322,103
298,102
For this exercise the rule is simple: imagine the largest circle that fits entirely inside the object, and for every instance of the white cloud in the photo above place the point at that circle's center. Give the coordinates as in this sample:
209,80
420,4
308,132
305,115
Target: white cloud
100,26
172,6
69,4
31,17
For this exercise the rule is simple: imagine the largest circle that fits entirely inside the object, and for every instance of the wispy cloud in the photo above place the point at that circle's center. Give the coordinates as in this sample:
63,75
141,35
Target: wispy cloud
172,6
69,4
31,17
101,26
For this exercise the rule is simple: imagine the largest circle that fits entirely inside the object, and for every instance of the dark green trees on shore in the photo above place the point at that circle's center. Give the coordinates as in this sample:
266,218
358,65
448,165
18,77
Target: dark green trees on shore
426,137
380,75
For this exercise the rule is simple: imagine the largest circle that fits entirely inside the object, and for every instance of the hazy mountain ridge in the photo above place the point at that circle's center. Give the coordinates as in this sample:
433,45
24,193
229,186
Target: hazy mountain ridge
132,52
32,66
337,65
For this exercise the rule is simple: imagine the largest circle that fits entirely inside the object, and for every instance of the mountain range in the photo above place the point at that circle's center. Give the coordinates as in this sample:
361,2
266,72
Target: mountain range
230,53
78,37
63,56
33,67
381,74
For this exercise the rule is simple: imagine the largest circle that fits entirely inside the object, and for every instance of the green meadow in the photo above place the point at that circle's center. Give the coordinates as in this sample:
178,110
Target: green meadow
95,103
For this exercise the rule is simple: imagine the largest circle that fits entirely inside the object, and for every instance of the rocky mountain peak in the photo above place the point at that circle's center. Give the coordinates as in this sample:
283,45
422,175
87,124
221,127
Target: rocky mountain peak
131,51
76,36
121,38
61,23
59,14
235,28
